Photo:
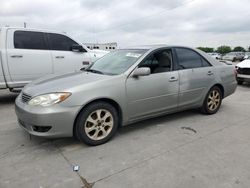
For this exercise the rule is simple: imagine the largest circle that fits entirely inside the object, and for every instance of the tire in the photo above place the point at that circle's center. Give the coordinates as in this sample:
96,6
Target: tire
96,123
212,101
234,59
240,82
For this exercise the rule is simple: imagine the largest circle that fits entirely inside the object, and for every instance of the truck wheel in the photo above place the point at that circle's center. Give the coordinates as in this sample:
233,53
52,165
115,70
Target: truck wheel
212,101
240,82
97,123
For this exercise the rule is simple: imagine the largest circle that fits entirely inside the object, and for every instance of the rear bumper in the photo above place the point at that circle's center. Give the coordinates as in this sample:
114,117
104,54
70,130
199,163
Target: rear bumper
230,88
56,121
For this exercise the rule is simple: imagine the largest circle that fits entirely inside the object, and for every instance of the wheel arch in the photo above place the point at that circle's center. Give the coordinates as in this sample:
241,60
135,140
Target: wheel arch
221,88
107,100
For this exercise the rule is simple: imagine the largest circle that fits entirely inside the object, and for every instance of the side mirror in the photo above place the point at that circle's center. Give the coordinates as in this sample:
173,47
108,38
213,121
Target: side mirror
143,71
77,48
86,64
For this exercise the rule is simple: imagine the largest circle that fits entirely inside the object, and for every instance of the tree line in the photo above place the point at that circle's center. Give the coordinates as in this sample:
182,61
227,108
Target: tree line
224,49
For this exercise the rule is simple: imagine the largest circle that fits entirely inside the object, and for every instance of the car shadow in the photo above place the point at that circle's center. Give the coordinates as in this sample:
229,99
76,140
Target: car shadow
7,97
164,119
246,85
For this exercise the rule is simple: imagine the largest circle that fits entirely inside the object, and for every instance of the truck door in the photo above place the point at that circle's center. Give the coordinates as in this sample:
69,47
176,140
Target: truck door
28,56
64,59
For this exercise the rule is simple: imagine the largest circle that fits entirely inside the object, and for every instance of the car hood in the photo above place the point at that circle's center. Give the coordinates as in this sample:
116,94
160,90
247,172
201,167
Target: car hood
244,64
64,83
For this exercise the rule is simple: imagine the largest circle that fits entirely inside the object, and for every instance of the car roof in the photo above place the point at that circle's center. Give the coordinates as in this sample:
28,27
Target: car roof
33,29
155,46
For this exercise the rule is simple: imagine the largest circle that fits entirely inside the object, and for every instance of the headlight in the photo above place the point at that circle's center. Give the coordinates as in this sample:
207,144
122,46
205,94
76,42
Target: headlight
49,99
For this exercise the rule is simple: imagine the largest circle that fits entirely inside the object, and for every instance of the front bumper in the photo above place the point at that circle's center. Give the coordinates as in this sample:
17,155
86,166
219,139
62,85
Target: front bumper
243,77
53,121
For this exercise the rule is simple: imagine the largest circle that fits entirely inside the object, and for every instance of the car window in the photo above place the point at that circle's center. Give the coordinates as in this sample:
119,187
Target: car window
30,40
60,42
158,62
189,59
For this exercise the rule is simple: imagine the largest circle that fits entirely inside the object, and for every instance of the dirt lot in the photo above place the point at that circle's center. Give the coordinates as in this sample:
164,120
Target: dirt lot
185,149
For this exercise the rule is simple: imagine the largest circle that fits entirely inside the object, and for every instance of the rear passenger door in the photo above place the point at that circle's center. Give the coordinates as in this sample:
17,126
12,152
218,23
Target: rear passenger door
64,59
28,56
196,75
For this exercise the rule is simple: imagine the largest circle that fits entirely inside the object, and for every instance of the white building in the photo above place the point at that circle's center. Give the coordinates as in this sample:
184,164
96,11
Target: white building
102,46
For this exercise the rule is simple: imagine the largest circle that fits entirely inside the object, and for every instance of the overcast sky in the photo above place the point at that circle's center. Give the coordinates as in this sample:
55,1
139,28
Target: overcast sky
136,22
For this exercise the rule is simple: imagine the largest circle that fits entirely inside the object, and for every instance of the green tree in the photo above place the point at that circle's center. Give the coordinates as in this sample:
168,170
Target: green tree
239,49
224,49
206,49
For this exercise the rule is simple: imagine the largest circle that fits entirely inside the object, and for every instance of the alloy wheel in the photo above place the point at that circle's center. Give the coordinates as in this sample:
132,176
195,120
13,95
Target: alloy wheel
99,124
213,101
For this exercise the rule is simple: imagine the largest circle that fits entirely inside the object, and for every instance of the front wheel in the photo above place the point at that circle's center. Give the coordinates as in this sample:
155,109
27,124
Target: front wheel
212,101
97,123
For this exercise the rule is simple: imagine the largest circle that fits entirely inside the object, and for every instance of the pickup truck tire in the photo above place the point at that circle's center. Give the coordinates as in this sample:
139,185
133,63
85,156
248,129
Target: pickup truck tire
240,82
97,123
212,101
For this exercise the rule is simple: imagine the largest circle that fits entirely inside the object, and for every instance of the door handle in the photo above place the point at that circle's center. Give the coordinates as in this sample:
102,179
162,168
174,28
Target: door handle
209,73
173,79
85,63
16,56
59,57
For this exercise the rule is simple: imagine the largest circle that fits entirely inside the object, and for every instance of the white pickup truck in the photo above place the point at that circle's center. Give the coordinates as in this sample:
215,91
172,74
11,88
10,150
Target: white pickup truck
27,54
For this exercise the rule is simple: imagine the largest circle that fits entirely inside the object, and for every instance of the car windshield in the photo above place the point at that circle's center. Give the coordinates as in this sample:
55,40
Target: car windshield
116,62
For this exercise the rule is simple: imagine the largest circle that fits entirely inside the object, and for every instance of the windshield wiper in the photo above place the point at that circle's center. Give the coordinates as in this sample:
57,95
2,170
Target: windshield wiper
94,71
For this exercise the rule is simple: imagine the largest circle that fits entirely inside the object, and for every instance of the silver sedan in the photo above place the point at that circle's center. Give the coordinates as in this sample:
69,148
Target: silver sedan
123,87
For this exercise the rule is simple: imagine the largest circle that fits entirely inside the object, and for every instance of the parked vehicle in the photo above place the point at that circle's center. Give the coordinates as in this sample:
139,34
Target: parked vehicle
27,54
215,55
243,71
123,87
234,56
247,55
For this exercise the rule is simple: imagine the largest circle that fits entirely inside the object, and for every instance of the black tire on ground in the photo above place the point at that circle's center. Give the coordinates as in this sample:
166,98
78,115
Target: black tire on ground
240,82
99,125
209,101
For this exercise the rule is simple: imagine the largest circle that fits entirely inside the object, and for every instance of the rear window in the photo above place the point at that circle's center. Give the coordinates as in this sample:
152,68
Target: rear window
188,59
30,40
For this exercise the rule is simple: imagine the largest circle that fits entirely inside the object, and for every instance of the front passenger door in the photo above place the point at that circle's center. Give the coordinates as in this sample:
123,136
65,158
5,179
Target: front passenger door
64,59
157,92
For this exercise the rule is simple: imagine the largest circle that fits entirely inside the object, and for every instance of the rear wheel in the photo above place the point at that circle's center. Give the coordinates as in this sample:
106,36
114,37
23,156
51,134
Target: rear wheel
97,123
212,101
